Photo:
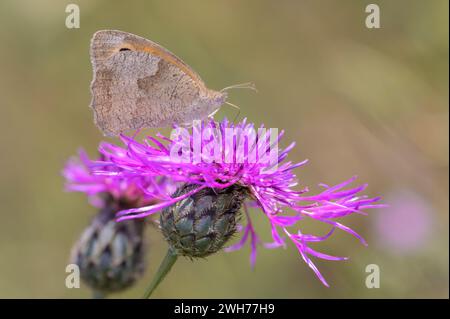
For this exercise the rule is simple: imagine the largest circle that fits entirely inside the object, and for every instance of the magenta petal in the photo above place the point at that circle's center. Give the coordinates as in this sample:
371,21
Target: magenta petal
147,210
241,243
347,229
312,266
322,255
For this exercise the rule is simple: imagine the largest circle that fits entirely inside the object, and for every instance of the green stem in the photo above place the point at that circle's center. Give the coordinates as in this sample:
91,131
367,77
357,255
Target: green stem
164,268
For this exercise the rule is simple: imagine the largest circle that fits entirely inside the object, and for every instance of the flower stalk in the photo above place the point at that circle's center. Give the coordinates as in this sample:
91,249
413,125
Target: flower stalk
167,263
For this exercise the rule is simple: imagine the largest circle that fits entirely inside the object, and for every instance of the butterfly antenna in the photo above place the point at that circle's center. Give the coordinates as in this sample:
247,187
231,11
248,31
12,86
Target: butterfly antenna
247,85
236,107
233,105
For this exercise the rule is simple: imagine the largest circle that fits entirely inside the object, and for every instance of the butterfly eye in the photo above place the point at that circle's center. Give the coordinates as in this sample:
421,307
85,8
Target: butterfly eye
124,49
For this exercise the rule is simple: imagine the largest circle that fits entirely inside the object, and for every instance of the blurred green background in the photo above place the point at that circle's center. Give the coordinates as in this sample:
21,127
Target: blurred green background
371,102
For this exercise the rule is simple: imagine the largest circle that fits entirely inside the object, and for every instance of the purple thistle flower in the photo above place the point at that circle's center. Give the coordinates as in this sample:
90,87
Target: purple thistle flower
135,191
204,157
112,256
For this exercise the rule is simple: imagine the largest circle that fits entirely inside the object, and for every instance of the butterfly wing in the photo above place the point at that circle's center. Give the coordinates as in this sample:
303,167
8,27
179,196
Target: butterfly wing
138,83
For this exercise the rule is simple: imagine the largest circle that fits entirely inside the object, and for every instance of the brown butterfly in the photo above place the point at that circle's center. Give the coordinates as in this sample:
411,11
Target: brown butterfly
138,83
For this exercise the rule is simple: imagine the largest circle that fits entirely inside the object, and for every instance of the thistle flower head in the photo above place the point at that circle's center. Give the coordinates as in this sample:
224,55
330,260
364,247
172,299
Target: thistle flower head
111,255
216,156
134,191
201,224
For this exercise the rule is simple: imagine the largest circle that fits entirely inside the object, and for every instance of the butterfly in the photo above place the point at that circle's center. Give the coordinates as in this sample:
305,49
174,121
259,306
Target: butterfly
137,83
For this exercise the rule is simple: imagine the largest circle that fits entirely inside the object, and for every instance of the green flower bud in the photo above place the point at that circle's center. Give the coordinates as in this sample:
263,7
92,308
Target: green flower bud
110,254
201,224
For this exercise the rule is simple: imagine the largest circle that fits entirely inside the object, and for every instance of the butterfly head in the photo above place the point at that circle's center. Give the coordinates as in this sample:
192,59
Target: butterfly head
219,98
214,100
